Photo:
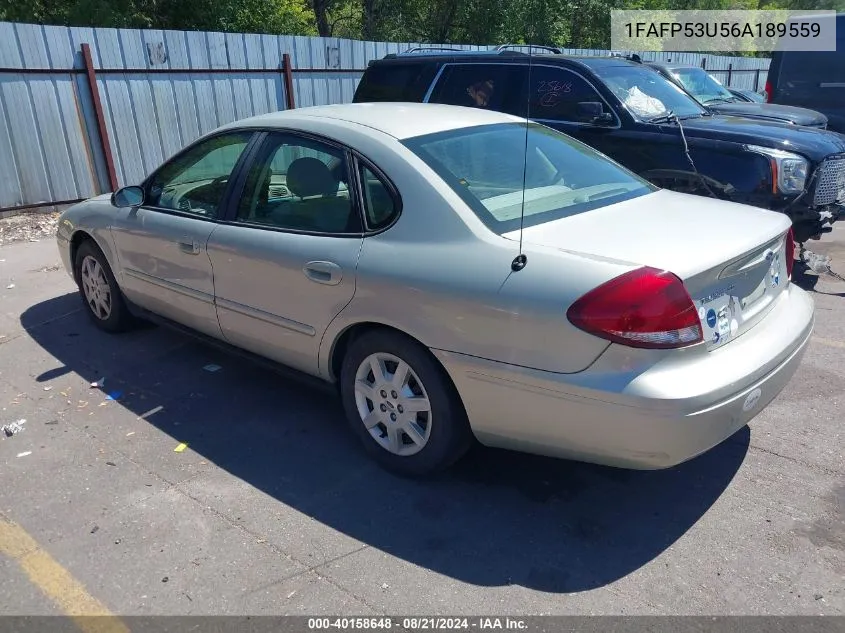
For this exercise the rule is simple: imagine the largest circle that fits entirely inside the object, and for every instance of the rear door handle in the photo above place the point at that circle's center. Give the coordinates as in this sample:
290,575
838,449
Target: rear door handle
327,273
189,246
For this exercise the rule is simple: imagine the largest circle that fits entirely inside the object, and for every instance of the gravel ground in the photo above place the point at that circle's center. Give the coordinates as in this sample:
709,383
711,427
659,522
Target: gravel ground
28,227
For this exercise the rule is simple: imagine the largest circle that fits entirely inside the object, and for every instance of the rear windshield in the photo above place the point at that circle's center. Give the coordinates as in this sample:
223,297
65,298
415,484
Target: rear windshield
486,165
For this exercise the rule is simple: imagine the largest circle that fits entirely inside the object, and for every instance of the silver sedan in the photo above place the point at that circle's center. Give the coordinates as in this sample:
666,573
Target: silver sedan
459,274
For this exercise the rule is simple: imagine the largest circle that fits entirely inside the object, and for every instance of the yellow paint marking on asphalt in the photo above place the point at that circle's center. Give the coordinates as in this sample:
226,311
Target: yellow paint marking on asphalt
56,582
828,342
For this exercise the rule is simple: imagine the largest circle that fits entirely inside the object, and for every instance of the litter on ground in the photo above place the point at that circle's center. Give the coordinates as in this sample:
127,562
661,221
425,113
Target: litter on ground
25,453
180,448
13,428
99,383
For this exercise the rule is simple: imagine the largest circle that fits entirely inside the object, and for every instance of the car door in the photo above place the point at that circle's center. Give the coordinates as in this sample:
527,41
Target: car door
165,266
285,261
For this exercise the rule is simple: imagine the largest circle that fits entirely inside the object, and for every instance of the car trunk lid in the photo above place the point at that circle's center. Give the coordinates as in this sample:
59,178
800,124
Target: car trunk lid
731,257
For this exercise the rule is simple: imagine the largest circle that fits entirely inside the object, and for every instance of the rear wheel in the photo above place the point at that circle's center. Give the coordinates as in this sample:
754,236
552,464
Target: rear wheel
99,290
402,405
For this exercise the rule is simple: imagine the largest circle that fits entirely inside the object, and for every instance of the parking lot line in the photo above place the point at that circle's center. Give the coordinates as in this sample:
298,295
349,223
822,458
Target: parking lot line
56,582
829,342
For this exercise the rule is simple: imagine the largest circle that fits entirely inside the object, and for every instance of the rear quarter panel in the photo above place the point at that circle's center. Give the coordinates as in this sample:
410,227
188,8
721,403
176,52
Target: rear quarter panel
439,275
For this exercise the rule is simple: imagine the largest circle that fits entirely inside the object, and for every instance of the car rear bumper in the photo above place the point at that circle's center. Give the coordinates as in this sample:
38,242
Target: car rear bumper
636,408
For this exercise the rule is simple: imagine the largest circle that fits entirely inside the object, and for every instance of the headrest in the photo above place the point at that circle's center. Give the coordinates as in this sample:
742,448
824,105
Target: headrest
310,177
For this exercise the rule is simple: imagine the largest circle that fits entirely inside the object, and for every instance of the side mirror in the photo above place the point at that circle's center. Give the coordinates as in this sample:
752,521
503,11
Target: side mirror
131,196
593,112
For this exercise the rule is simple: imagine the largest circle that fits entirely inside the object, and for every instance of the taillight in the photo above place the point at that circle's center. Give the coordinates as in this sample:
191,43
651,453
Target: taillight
790,252
642,308
768,90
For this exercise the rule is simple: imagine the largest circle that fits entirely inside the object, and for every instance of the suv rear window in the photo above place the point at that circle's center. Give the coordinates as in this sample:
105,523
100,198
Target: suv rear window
485,165
395,82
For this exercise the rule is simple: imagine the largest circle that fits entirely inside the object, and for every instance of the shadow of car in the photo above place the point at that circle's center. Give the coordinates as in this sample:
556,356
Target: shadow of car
496,518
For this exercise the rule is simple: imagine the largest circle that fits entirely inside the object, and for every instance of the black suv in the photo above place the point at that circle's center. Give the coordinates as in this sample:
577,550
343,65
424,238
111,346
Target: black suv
719,99
643,121
812,79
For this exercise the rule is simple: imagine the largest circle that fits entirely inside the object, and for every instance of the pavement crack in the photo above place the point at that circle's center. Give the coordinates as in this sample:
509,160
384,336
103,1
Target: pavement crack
819,467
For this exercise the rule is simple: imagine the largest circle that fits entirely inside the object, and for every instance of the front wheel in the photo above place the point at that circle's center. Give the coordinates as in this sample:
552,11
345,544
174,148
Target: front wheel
99,290
402,405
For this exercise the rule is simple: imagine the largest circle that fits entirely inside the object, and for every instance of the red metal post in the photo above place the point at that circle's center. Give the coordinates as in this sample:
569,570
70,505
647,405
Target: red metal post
287,71
101,119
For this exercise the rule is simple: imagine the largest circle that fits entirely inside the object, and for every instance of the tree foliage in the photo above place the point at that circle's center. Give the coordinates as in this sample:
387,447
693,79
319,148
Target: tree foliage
567,23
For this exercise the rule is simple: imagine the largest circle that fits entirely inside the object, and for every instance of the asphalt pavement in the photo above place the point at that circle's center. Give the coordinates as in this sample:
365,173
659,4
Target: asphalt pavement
273,508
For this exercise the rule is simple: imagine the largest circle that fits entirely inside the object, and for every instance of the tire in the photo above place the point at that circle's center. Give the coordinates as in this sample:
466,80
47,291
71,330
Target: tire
107,310
443,430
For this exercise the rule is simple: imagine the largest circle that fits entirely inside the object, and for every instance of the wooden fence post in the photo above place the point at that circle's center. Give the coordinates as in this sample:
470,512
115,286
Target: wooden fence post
98,110
287,71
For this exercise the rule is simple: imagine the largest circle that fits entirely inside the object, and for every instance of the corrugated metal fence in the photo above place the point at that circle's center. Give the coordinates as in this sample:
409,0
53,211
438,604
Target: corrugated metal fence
150,92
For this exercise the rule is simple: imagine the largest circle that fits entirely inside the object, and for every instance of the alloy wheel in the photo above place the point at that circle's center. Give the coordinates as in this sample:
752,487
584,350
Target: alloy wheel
96,288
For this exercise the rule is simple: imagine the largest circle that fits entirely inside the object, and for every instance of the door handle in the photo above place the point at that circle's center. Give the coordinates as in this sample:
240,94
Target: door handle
189,246
327,273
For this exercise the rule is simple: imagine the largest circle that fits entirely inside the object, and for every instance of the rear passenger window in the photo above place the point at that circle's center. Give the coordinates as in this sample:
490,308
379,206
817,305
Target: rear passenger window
380,205
490,86
299,184
395,82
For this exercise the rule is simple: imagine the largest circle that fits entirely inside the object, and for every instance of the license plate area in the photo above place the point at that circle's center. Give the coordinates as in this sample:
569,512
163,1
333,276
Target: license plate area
743,301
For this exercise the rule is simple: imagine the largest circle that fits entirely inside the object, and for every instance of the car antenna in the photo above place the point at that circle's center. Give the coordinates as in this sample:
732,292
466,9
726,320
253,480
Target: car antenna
520,260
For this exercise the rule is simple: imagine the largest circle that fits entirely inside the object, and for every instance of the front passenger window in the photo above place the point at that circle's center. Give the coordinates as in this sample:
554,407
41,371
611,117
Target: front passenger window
299,184
556,92
194,182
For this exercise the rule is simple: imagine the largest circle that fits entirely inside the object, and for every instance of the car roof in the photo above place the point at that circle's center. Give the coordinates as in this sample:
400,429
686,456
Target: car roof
605,62
400,120
505,57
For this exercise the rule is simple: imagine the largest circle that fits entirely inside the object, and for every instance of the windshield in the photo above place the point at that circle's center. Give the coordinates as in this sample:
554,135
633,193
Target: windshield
646,93
702,85
563,177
